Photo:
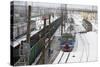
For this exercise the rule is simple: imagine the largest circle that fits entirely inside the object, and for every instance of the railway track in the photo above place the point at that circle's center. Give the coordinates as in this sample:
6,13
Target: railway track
86,48
35,41
62,57
85,42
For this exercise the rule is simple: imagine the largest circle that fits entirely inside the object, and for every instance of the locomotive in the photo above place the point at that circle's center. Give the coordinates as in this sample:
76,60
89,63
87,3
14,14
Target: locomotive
67,40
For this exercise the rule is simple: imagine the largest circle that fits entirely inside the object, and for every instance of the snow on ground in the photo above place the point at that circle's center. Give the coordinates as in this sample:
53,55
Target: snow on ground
58,57
40,21
77,53
85,46
18,41
64,57
92,37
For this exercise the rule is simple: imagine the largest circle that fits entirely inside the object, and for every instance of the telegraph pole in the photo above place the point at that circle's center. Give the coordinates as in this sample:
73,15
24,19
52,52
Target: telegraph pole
28,24
62,22
27,44
43,49
49,37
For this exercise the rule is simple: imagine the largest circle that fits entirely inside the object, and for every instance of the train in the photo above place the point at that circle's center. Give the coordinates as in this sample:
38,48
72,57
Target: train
45,33
87,26
36,42
67,39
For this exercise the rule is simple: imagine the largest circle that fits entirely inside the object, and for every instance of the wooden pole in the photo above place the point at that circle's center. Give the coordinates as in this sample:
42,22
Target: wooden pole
62,24
49,19
28,24
43,51
49,35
